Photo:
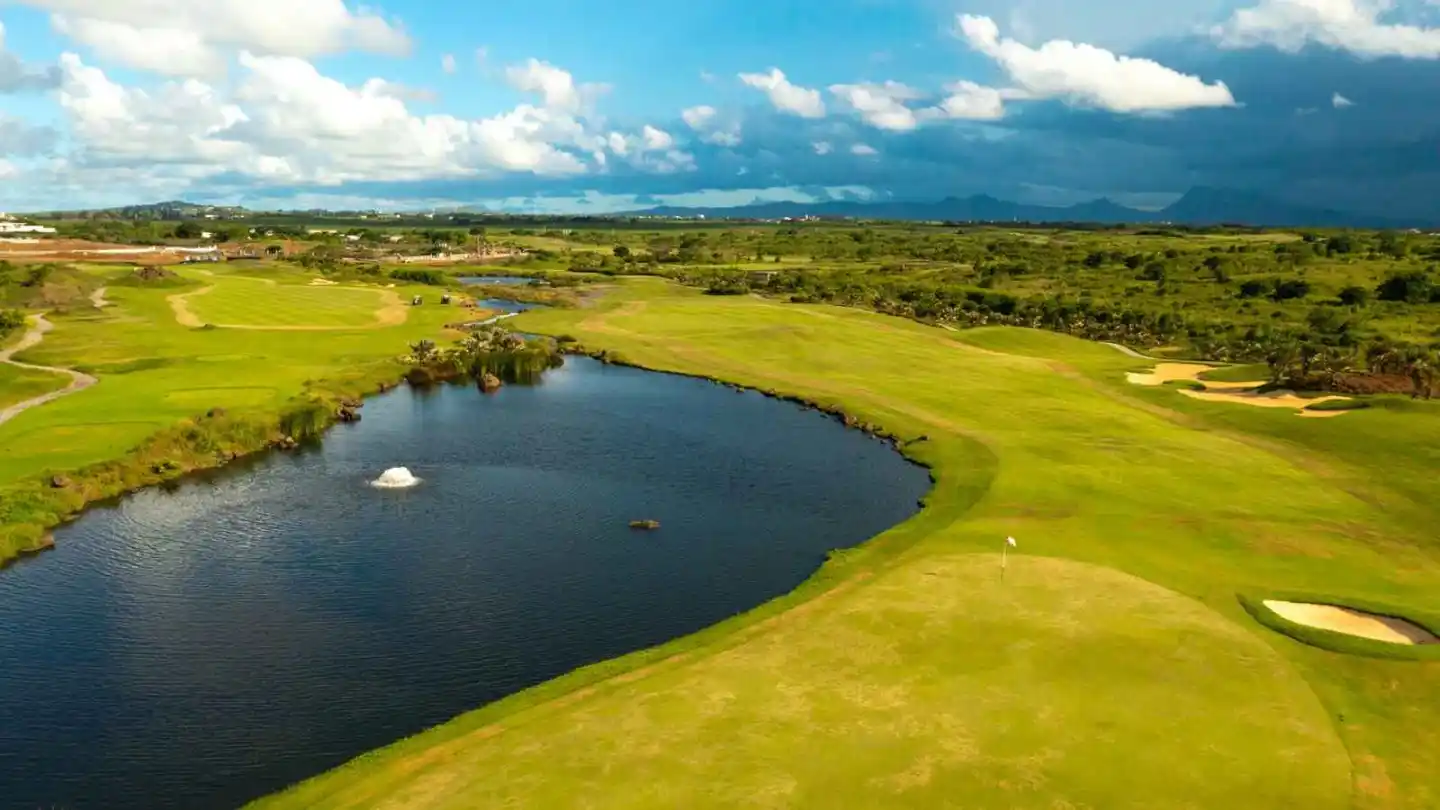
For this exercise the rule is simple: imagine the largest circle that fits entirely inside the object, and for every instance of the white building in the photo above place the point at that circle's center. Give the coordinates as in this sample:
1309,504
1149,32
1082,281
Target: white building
11,226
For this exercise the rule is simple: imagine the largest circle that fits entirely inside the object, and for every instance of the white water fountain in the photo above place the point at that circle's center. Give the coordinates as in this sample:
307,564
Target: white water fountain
395,478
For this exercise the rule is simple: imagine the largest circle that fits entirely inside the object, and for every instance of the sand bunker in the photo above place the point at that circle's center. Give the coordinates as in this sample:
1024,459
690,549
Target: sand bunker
1169,372
1242,393
1271,399
321,282
1353,622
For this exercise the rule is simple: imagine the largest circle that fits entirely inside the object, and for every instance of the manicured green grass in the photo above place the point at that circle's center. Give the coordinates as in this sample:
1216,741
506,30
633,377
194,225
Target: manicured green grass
263,303
155,374
1241,373
20,384
1113,668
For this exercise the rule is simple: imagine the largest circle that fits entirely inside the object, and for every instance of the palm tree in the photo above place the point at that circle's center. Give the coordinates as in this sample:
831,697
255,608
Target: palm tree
423,352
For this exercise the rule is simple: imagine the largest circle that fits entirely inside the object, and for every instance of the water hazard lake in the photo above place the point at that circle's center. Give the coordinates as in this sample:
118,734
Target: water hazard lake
206,645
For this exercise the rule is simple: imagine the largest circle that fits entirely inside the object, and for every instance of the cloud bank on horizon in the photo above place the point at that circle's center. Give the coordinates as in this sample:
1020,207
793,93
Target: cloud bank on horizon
560,107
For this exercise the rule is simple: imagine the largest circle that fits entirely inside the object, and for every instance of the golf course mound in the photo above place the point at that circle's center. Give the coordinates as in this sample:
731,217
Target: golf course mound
1352,622
908,688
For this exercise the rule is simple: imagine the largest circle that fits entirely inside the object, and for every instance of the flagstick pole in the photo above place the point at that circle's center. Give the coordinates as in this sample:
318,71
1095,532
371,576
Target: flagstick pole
1004,550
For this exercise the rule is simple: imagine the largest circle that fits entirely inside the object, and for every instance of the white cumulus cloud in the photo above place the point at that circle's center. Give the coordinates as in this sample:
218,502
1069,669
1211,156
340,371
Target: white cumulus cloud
698,117
792,98
969,101
169,51
706,121
185,37
448,63
880,105
822,147
1340,102
1356,26
285,122
1082,74
656,138
864,150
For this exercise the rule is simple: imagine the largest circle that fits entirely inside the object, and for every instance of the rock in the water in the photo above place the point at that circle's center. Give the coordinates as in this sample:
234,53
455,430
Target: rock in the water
489,382
648,525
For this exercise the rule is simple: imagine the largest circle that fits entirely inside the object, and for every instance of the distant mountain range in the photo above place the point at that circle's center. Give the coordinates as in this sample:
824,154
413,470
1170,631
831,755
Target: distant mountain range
1199,206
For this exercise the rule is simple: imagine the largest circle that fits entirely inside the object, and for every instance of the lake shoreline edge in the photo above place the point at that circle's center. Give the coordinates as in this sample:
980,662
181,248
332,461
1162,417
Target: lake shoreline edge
200,444
842,569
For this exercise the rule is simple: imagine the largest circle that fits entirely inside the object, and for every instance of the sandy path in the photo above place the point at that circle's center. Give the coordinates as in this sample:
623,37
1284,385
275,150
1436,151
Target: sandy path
1353,622
78,380
1126,350
392,312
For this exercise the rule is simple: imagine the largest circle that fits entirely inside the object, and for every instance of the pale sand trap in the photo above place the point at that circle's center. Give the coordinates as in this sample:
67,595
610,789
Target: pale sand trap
1353,622
321,282
1272,399
1242,393
1169,372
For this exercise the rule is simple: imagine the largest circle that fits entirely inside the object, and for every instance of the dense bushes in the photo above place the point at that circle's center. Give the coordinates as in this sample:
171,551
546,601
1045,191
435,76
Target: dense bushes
418,275
10,320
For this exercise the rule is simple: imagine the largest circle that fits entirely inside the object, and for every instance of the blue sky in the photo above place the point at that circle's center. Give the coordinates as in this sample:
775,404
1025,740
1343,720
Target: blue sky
564,105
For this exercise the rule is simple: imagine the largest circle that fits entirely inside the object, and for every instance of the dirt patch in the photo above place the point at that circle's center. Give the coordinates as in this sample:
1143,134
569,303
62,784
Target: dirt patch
1353,622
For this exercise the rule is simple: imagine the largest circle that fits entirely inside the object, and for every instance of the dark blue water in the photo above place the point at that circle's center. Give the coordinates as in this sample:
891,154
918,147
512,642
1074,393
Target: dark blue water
503,305
205,646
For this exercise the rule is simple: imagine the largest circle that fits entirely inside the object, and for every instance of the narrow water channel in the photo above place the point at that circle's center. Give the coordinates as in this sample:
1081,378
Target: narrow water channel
206,645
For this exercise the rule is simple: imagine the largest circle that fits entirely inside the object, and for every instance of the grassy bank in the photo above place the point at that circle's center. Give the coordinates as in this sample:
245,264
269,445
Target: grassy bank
1112,667
174,398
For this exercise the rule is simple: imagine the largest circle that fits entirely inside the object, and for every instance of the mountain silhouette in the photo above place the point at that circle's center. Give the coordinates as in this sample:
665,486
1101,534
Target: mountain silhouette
1202,205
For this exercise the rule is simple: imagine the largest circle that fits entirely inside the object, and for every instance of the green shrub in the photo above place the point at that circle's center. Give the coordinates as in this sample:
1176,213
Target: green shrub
1339,405
434,278
305,420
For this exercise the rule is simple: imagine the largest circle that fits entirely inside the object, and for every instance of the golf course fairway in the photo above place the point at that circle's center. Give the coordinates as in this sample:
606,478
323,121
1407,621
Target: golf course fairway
1113,665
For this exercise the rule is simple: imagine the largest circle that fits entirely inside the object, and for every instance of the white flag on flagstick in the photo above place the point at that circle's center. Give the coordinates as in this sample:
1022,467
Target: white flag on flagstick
1010,541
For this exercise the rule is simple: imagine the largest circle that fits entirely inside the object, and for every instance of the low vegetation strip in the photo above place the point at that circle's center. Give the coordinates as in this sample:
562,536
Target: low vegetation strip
929,677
